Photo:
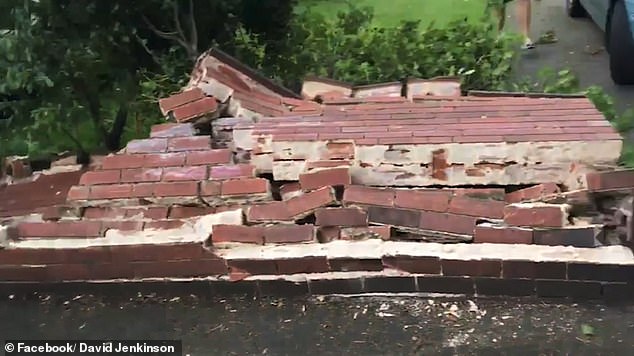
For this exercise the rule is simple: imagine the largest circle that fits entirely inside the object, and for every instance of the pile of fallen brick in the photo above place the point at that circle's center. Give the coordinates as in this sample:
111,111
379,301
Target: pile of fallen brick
253,180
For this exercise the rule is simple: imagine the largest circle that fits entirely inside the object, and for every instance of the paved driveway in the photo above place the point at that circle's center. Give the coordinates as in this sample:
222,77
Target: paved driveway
578,40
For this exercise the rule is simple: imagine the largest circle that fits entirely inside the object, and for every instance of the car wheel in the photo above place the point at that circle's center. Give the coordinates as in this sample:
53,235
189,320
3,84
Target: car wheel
575,9
621,46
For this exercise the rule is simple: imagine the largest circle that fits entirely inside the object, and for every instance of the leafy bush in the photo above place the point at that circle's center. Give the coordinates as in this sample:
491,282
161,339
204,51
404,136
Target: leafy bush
352,50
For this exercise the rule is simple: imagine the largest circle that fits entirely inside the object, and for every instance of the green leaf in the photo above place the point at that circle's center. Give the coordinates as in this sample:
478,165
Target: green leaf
587,330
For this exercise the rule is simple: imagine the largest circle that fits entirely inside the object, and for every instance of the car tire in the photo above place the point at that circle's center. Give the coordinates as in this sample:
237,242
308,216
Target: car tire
575,9
621,46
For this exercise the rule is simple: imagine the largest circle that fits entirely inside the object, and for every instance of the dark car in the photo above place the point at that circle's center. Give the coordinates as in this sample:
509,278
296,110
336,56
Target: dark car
616,19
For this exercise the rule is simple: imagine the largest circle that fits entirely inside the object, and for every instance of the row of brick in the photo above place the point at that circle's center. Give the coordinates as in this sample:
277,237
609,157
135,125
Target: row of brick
175,144
89,228
576,236
206,188
174,159
168,174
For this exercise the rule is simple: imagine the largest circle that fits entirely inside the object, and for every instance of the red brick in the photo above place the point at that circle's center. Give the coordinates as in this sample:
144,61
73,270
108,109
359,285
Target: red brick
311,264
325,177
195,109
210,188
60,229
221,156
118,191
245,268
142,190
172,174
237,233
122,161
194,143
393,216
338,150
290,190
176,100
185,212
164,160
162,252
123,225
413,264
172,130
78,193
502,235
475,268
141,175
601,181
154,213
269,212
326,234
424,199
147,145
477,207
537,215
164,224
100,177
532,193
480,193
232,171
183,269
176,189
307,203
367,195
457,224
245,186
361,233
289,233
576,236
341,217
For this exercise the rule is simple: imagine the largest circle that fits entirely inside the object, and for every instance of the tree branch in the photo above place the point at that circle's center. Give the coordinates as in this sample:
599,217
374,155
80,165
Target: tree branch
194,30
189,44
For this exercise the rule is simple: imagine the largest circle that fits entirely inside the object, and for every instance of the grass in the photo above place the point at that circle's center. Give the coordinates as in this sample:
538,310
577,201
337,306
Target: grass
388,13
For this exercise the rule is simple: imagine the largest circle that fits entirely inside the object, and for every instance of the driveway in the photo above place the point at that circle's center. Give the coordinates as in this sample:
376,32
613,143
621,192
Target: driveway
580,48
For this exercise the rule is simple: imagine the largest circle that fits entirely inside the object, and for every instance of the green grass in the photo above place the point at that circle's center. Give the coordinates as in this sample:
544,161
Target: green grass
388,13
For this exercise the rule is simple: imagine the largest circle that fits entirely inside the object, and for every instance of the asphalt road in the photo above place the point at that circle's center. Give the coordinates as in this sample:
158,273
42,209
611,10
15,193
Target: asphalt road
579,47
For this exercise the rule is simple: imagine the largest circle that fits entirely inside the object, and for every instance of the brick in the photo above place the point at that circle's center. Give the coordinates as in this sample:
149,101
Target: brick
532,193
174,101
551,270
413,264
290,190
184,269
489,233
325,177
480,193
253,267
457,224
221,156
282,288
123,225
572,289
536,215
237,233
602,181
103,213
289,233
269,212
519,269
445,285
164,160
100,177
474,268
510,287
307,203
393,216
355,264
338,150
78,193
195,109
55,213
164,224
310,264
176,174
232,171
327,234
582,236
143,190
154,213
336,286
118,191
210,188
476,207
122,161
141,175
424,199
172,130
341,217
362,233
147,145
194,143
366,195
185,212
175,189
245,186
600,272
60,229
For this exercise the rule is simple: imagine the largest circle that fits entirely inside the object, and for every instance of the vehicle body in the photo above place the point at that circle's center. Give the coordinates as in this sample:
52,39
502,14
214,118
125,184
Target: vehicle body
616,19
